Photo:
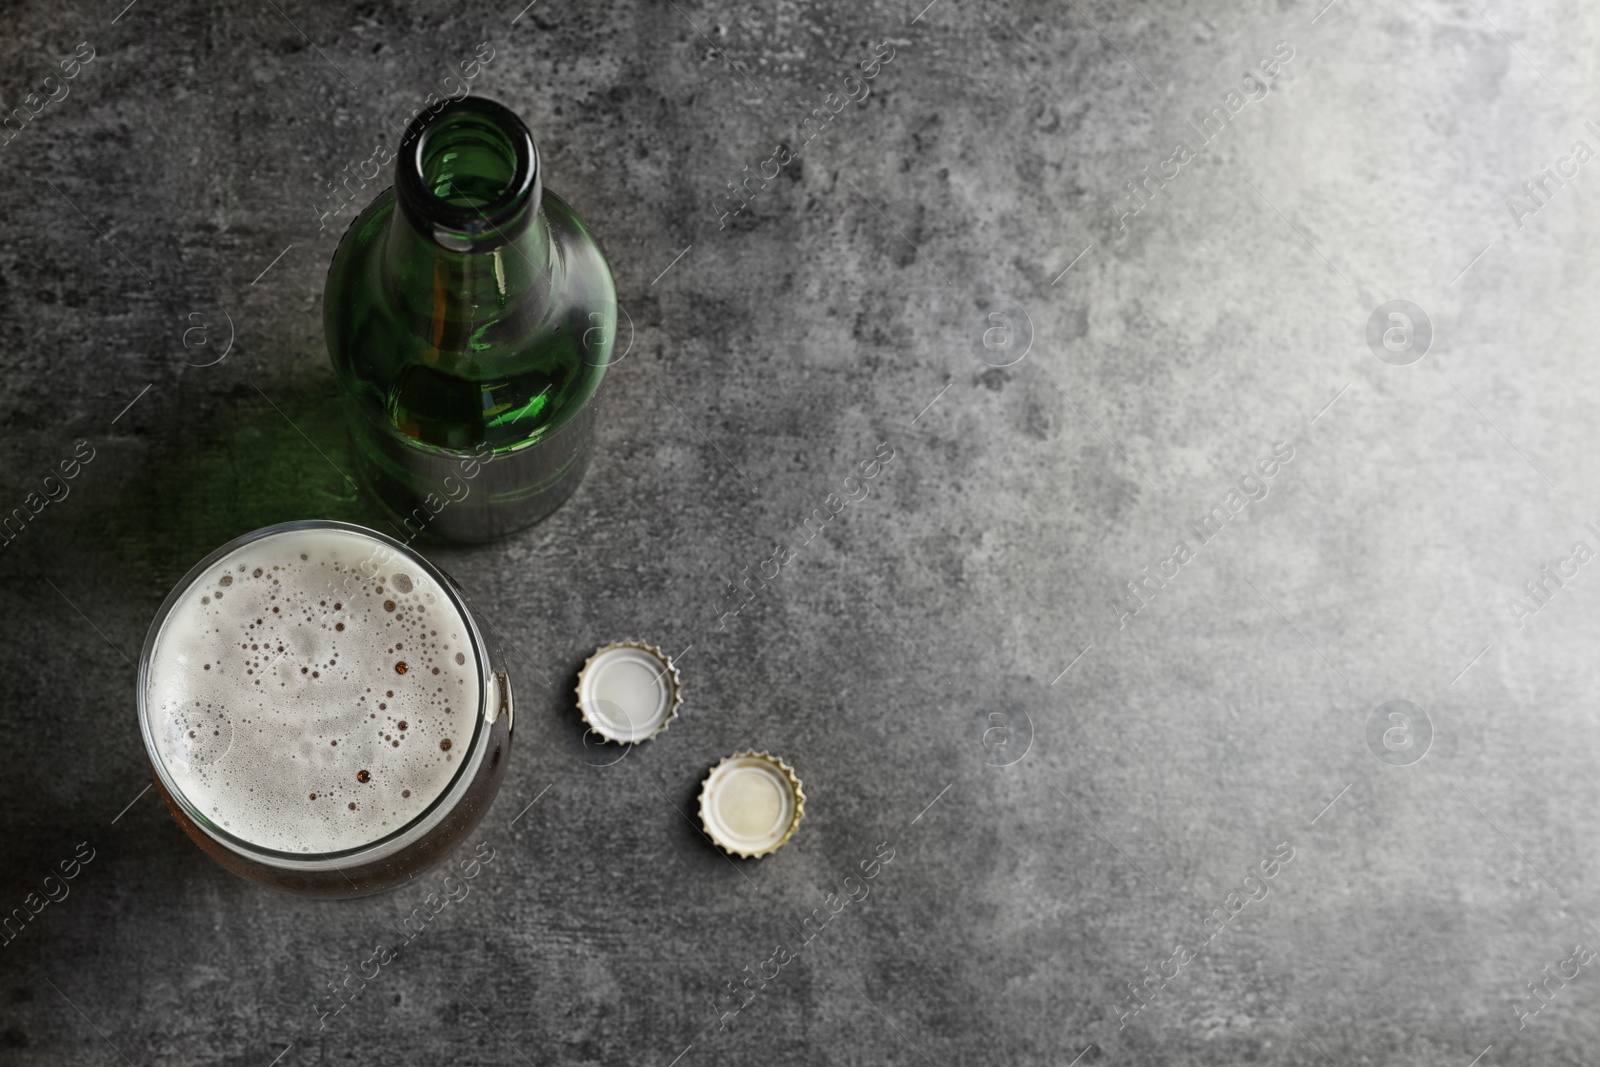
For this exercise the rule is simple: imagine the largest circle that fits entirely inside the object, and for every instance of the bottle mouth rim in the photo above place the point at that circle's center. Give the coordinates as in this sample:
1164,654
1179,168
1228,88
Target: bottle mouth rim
460,225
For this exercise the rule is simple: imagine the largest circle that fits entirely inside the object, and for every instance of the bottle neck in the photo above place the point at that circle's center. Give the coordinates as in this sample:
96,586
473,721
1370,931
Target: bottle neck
459,289
468,246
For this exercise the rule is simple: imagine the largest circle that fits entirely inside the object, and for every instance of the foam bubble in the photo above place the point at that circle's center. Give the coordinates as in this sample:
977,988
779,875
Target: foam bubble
285,711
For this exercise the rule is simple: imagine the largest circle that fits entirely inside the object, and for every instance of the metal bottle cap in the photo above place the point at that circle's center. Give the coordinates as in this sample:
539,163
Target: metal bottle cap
751,803
628,692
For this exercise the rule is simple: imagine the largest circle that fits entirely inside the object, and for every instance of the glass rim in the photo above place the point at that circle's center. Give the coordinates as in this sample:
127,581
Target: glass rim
401,837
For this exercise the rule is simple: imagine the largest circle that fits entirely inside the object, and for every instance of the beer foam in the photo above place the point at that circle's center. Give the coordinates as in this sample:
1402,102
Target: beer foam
313,691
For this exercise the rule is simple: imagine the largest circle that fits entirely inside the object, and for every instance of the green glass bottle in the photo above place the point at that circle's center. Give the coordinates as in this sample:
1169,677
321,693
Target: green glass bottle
470,316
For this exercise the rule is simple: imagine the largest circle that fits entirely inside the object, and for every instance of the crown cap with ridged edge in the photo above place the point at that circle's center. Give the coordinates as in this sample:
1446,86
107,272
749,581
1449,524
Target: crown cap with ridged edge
751,803
629,691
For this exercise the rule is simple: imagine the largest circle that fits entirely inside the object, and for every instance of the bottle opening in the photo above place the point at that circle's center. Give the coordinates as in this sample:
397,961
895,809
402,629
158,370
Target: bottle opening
467,161
469,174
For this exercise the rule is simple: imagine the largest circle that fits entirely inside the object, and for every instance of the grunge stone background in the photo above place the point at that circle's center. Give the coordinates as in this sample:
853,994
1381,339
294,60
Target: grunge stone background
1178,521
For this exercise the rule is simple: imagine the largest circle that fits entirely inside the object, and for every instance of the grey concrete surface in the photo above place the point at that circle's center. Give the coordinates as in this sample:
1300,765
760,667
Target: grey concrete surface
1076,792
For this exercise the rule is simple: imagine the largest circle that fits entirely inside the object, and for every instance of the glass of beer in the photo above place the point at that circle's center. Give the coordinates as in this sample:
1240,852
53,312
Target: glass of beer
321,711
